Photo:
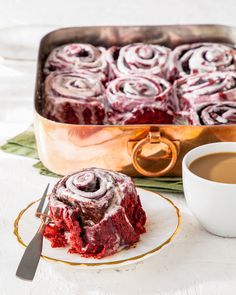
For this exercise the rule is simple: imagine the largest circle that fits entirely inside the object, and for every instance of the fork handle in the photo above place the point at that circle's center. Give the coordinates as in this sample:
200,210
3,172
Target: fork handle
30,259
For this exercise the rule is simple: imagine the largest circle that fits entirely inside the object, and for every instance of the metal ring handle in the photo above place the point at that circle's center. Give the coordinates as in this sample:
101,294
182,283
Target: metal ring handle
138,147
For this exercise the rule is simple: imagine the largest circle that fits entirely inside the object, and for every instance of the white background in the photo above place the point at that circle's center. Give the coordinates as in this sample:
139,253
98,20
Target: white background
107,12
197,262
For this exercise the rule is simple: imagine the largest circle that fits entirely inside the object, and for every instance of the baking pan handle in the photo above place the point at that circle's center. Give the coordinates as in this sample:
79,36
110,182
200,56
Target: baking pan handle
154,138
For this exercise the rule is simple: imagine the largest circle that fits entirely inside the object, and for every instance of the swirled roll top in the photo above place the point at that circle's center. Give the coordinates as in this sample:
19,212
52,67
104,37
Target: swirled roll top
206,87
128,95
213,113
85,183
197,58
91,184
138,58
81,85
76,56
74,97
96,192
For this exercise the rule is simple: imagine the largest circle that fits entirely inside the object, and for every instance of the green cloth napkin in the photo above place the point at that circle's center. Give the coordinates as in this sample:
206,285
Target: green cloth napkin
24,144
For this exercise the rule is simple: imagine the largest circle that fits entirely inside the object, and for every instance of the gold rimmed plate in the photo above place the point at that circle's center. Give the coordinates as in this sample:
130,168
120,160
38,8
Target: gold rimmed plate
163,221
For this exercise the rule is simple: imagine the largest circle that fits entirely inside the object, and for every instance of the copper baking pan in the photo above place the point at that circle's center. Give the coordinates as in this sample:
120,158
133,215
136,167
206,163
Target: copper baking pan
150,150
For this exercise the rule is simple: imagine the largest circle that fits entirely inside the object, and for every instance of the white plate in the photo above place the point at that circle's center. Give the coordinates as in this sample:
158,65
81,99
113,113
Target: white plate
163,221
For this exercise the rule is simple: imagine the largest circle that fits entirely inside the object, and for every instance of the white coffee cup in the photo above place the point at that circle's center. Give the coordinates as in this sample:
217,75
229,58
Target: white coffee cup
212,203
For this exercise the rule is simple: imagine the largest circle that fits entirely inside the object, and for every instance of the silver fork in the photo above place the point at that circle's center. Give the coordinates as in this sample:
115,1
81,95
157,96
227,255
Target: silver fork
30,259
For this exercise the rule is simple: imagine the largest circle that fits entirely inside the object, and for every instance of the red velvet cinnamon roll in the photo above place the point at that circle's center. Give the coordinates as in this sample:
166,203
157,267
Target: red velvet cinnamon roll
96,212
74,97
197,58
77,56
207,87
214,113
138,58
140,100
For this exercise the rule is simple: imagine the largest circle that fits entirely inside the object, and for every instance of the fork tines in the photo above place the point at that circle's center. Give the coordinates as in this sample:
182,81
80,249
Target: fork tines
39,211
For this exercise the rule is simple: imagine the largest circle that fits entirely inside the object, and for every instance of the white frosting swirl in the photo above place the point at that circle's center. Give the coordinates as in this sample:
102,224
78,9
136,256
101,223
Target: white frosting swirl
76,56
94,190
214,114
128,95
207,87
127,92
88,184
139,58
197,58
77,85
77,96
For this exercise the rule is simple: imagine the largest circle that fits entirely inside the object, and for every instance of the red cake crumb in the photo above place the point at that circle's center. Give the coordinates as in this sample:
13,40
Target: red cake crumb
56,236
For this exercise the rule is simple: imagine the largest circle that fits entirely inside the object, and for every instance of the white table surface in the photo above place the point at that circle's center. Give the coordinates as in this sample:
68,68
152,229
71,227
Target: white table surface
196,262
